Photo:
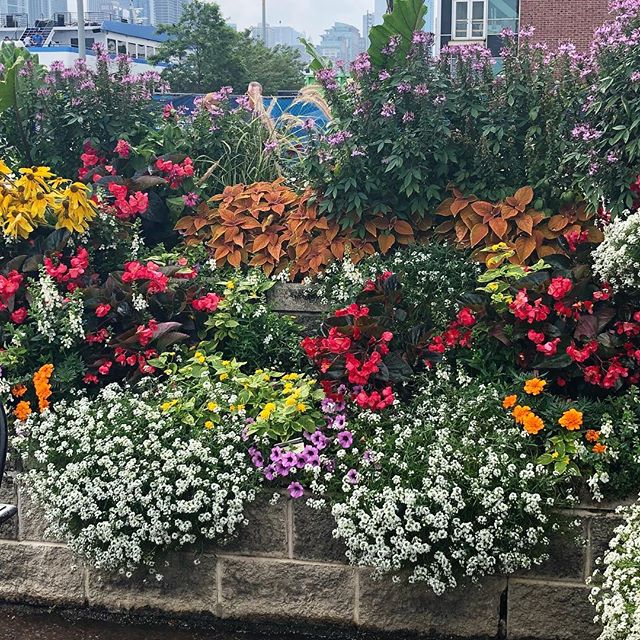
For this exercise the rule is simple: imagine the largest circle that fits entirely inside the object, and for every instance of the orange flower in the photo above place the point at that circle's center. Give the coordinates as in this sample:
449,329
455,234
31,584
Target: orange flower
23,410
41,382
534,386
509,401
592,436
571,420
18,391
520,412
599,448
532,423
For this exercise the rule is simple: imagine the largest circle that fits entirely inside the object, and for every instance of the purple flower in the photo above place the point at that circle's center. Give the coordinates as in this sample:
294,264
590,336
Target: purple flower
388,110
257,460
309,124
352,476
281,469
269,473
392,45
635,76
327,78
288,459
339,138
423,38
384,75
345,439
319,440
404,87
270,147
409,116
295,490
191,199
276,454
362,64
339,422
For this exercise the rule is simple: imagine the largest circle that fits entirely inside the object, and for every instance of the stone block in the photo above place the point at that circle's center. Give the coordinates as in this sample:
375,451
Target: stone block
549,611
286,590
567,556
40,574
32,521
467,612
185,587
266,532
602,531
312,535
292,298
9,495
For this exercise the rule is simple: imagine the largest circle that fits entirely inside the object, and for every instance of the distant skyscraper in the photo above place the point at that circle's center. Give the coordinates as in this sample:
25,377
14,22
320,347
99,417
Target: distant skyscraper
283,36
368,20
341,42
43,9
167,11
10,7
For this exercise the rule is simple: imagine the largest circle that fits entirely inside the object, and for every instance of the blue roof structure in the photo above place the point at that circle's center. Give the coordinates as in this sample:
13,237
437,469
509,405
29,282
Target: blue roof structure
134,30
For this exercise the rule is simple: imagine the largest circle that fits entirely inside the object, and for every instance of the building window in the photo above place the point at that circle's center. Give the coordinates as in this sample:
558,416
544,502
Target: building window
469,19
503,14
111,46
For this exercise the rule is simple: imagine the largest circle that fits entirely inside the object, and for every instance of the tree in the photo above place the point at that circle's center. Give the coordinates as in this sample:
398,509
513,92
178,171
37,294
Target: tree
204,54
202,49
275,69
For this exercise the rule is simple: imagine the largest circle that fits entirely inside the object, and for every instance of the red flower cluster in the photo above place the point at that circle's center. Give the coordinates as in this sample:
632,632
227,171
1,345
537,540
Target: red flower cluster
206,304
128,205
9,286
146,333
135,271
123,149
376,401
457,334
70,275
536,312
124,357
175,172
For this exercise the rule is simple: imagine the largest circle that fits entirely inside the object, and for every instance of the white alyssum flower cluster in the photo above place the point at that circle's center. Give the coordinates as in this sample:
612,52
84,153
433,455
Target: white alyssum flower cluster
123,483
58,318
448,490
616,590
617,259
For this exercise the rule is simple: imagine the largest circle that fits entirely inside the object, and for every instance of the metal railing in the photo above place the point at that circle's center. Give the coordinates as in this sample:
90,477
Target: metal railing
14,20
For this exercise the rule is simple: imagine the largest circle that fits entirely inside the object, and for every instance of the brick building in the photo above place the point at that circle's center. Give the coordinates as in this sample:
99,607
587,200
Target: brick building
481,21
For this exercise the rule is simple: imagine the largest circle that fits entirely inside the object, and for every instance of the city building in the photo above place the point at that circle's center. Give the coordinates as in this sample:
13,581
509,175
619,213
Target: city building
481,21
166,11
60,41
283,36
341,42
368,21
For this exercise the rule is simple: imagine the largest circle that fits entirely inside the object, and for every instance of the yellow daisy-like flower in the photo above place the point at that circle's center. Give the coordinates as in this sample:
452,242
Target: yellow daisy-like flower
212,406
301,407
535,386
168,405
208,424
230,284
290,401
4,169
223,377
198,357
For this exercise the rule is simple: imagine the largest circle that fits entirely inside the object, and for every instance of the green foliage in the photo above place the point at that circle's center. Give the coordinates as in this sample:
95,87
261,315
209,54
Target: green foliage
407,18
204,53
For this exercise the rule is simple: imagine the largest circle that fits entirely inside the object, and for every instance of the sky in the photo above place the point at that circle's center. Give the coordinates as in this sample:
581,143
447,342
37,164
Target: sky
309,16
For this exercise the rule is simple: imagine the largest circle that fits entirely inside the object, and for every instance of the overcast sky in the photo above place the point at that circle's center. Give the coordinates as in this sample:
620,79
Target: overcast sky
309,16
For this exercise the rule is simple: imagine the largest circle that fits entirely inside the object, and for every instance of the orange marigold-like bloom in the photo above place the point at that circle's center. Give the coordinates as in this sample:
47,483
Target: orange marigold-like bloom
41,382
571,420
520,412
509,401
592,436
534,386
599,448
18,391
532,423
23,410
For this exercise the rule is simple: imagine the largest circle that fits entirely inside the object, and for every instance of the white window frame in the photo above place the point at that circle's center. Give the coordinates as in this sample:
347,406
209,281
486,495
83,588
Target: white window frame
469,32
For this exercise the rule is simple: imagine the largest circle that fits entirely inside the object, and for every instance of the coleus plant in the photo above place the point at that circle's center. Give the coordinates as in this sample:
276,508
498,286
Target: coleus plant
531,234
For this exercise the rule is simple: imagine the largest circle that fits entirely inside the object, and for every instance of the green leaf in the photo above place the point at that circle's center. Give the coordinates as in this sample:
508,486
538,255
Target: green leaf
407,18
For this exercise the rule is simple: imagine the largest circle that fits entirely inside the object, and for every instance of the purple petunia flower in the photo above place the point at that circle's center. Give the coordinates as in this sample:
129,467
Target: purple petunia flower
339,422
269,472
345,439
319,440
276,454
352,476
296,490
288,459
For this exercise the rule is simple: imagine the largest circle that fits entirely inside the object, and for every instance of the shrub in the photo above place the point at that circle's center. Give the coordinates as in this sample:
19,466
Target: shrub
123,482
446,488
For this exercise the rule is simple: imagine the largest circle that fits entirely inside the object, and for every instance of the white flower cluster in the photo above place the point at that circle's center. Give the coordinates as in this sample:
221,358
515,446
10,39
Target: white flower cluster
617,259
122,482
616,590
58,318
449,490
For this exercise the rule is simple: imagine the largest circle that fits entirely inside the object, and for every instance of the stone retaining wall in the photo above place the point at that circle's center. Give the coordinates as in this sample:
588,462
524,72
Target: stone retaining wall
286,566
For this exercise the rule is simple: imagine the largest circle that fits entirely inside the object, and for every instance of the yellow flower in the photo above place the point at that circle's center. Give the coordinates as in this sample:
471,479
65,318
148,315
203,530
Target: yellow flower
301,407
167,405
534,386
208,424
267,410
212,406
232,407
571,420
240,407
223,377
290,401
492,286
4,169
199,357
509,401
226,363
230,284
555,454
266,377
259,371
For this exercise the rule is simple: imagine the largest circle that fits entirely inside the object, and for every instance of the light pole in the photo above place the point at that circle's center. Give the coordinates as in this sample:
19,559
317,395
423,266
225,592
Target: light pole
264,22
82,51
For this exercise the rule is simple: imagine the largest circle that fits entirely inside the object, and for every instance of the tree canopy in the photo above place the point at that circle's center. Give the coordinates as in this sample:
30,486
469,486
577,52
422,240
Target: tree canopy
204,53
